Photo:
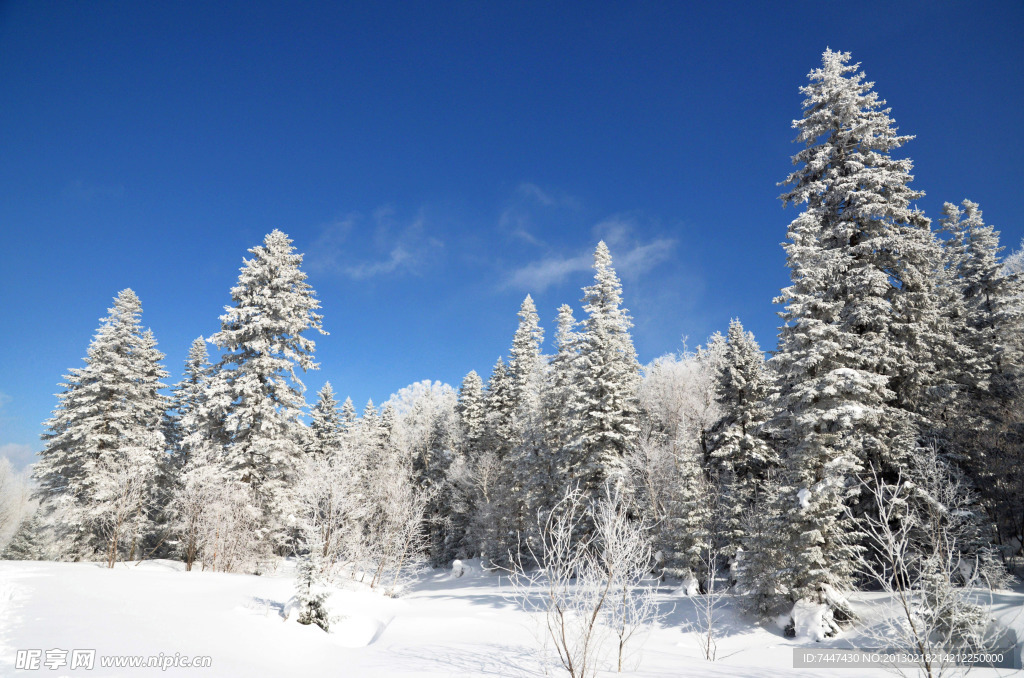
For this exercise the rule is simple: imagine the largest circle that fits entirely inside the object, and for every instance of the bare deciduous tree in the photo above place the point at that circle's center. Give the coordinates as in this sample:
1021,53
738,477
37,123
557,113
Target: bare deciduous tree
932,584
121,494
590,583
393,542
625,555
15,501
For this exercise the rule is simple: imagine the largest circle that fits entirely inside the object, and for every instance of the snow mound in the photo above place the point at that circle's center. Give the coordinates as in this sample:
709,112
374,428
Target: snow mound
466,568
689,586
356,631
813,621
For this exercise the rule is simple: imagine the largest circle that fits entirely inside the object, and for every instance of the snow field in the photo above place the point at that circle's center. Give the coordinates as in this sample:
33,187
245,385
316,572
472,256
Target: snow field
443,626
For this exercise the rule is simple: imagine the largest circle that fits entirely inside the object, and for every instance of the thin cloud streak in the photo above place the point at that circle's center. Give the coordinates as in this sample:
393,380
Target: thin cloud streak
630,259
405,248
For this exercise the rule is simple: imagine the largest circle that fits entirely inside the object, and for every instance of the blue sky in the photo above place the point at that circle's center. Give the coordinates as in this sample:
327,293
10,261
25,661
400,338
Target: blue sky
437,161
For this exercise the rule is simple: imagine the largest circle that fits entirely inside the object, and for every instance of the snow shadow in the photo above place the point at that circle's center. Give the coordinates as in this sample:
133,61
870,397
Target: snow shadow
267,606
685,612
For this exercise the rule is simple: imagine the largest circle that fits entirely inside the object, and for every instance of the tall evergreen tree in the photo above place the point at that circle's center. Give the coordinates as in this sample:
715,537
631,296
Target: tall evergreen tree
742,455
609,378
852,345
500,410
187,398
263,341
348,415
993,314
472,412
326,427
104,443
529,463
562,401
989,427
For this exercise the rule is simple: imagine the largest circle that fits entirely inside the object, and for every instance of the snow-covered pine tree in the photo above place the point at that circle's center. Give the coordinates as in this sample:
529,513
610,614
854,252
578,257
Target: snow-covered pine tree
493,527
103,445
472,412
742,457
348,415
370,439
310,592
529,461
989,427
191,430
993,313
500,410
851,350
187,397
326,427
263,341
562,401
609,378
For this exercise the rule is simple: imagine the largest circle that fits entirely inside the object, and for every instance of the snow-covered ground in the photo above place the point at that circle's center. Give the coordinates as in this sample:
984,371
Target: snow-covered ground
442,626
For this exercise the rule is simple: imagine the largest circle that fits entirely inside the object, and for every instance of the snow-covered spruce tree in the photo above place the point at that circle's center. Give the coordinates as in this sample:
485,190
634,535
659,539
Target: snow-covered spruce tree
993,316
368,441
742,457
191,431
326,427
763,554
530,461
500,409
989,426
562,399
310,592
472,412
187,398
853,353
462,474
348,415
609,379
492,526
96,474
263,342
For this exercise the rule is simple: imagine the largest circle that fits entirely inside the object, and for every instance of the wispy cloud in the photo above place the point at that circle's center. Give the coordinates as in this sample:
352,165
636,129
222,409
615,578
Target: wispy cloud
548,198
367,269
529,207
518,224
361,247
630,257
539,275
